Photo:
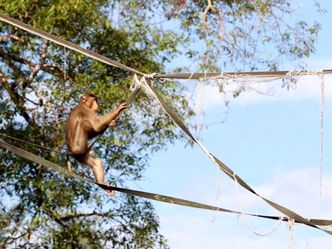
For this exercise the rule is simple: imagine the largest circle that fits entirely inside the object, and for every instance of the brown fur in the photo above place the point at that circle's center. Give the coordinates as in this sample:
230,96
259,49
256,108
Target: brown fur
83,123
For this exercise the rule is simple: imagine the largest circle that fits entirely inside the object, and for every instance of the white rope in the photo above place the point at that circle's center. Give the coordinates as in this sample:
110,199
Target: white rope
65,65
291,233
218,193
253,74
135,83
191,75
199,106
246,221
177,119
135,88
150,76
320,74
261,78
142,83
322,109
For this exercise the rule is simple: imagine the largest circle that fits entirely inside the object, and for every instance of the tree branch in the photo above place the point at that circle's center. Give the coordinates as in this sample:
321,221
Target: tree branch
80,215
211,8
16,99
46,67
9,61
12,36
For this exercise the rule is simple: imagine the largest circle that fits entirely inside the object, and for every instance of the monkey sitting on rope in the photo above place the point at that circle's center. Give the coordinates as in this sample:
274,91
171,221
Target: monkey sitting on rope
83,123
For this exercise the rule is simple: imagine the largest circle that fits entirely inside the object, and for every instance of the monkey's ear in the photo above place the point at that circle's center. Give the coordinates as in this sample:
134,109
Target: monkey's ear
83,98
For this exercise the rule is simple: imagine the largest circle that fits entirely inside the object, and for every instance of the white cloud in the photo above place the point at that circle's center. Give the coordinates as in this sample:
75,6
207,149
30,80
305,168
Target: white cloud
300,190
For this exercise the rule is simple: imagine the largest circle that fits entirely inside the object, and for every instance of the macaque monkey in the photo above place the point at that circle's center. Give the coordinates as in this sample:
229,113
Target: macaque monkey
83,123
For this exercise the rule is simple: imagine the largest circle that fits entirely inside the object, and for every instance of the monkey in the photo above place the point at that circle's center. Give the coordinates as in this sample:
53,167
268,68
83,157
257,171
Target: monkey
83,123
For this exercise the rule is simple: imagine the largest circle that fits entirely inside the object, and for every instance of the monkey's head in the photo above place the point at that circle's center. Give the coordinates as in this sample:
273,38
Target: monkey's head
91,101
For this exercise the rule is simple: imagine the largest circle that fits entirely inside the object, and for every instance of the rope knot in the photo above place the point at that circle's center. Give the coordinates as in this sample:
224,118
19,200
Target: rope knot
150,76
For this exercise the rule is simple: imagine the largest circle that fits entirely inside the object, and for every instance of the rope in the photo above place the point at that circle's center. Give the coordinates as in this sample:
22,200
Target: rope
178,121
176,118
290,234
114,63
66,44
261,74
322,110
247,222
135,91
33,144
152,196
129,101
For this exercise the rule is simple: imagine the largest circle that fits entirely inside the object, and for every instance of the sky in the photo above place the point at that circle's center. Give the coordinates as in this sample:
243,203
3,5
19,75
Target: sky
273,142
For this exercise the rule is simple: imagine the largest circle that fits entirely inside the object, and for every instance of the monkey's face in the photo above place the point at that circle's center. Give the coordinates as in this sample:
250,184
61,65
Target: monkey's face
90,102
94,106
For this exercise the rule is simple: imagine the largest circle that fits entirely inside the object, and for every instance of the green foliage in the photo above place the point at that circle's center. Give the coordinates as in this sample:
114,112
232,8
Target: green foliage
40,82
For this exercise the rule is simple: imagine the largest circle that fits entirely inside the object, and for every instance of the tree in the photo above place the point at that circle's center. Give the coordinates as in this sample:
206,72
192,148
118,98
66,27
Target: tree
41,81
244,35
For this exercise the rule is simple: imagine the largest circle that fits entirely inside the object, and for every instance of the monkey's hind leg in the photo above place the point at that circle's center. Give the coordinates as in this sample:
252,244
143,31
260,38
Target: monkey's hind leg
70,166
71,169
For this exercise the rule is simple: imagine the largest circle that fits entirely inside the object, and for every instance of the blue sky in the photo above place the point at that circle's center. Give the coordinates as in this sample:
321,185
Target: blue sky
273,143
